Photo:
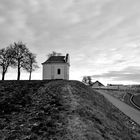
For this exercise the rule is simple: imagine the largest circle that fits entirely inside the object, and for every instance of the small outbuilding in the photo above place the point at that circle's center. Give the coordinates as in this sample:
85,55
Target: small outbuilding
56,67
97,84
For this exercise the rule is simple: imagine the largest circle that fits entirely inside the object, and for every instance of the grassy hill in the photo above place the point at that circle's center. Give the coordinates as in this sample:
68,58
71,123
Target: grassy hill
60,110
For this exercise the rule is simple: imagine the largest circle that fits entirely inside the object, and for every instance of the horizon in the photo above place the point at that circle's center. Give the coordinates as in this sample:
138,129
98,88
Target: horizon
102,37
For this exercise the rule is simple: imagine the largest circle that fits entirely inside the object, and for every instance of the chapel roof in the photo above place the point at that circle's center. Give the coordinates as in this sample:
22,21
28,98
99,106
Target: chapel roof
56,59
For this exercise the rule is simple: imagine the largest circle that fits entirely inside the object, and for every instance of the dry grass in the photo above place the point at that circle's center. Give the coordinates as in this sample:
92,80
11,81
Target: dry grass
59,110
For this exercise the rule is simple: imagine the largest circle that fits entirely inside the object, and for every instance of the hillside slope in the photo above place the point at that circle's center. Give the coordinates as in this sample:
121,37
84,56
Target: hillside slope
60,110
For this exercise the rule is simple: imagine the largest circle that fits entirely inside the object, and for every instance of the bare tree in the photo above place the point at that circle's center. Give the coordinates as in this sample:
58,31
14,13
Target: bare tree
31,64
87,80
54,54
6,59
20,57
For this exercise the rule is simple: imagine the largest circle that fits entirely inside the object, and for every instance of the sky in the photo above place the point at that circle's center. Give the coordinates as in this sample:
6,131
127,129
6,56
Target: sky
101,36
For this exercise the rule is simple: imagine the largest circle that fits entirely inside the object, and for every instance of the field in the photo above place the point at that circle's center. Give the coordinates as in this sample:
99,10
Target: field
60,110
125,96
136,100
116,93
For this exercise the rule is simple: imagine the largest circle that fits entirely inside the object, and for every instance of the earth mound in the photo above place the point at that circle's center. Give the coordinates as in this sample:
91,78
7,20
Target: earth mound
60,110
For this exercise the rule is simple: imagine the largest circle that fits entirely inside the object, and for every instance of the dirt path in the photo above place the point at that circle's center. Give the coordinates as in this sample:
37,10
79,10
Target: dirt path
76,126
73,98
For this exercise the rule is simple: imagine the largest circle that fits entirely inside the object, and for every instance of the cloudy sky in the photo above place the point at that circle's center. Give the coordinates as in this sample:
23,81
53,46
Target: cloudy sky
101,36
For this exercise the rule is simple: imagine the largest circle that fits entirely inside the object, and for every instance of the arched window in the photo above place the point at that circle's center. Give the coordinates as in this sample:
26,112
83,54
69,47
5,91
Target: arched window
58,71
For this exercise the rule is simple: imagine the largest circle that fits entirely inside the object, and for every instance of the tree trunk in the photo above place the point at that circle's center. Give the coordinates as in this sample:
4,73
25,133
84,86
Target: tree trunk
30,76
18,76
3,75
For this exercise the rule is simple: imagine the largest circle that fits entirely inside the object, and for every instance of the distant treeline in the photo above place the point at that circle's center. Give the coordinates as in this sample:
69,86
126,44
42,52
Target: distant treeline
18,56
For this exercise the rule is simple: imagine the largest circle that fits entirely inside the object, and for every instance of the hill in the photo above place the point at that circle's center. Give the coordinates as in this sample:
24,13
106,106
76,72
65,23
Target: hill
60,110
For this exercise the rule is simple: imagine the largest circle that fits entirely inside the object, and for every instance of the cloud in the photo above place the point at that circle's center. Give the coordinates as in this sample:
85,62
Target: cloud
131,73
13,25
101,35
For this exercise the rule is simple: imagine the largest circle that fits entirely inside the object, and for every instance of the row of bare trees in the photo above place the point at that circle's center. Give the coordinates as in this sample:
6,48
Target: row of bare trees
17,55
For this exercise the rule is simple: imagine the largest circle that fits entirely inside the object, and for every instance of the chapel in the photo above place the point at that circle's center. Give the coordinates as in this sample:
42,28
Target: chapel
56,67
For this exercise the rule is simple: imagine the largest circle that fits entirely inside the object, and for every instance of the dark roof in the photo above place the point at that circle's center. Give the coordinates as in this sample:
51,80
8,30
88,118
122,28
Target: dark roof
55,59
99,83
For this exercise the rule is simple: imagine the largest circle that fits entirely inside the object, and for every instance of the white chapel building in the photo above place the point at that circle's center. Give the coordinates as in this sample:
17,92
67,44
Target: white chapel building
56,67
